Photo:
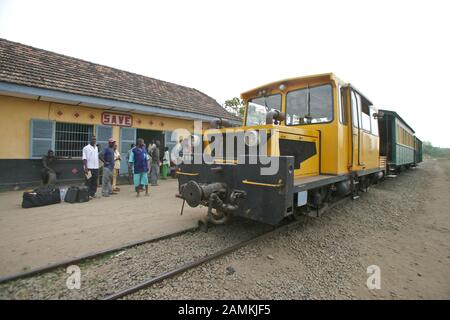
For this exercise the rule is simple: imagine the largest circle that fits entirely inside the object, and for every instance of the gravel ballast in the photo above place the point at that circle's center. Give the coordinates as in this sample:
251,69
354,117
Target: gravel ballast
319,258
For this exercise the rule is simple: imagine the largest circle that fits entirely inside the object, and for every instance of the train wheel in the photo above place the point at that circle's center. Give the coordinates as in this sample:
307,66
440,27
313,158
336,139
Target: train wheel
297,214
300,213
218,216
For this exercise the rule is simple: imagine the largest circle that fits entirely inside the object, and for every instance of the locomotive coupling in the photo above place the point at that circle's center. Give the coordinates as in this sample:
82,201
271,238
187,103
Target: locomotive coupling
195,193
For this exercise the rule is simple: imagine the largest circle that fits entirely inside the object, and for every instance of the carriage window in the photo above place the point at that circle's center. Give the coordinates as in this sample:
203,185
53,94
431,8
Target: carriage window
309,105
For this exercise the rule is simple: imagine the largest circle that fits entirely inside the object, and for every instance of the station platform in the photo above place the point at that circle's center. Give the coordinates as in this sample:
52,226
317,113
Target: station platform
36,237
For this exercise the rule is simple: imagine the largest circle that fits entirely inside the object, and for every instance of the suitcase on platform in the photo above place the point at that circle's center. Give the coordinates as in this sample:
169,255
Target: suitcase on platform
71,195
41,197
83,194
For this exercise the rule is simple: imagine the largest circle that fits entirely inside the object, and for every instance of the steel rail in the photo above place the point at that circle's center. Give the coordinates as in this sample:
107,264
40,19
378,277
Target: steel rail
190,265
200,261
88,256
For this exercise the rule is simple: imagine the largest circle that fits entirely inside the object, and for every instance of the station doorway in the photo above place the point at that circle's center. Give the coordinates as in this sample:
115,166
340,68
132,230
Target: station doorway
151,136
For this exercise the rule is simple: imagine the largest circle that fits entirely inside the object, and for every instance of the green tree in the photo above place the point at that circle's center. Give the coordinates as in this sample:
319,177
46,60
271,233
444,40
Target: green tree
235,106
435,152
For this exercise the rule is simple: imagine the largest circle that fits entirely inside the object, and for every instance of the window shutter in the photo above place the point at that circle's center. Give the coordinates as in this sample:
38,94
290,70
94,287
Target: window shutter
127,137
103,133
168,140
42,137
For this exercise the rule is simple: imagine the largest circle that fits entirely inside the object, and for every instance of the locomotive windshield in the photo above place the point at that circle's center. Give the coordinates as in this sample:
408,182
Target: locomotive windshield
258,108
309,105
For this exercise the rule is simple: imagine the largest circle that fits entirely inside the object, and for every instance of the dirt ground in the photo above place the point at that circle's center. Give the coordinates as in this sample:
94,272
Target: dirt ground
35,237
401,225
415,258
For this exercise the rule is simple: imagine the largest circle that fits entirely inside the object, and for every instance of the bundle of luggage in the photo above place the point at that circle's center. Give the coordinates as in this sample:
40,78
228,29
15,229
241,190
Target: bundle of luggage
77,194
44,196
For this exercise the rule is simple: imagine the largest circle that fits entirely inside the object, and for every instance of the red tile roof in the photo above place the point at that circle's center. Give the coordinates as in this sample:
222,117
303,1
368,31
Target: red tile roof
26,65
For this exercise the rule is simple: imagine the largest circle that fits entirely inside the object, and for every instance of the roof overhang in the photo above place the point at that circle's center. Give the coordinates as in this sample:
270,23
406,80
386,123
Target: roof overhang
22,91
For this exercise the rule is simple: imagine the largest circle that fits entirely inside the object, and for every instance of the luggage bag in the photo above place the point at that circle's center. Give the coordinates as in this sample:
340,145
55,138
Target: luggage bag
41,197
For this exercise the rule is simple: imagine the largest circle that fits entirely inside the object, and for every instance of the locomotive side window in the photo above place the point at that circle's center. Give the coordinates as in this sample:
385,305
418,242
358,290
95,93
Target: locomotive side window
374,122
343,114
258,108
365,115
309,105
356,106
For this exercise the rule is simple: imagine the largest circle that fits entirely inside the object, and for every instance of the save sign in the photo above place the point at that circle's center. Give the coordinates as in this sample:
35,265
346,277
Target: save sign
116,119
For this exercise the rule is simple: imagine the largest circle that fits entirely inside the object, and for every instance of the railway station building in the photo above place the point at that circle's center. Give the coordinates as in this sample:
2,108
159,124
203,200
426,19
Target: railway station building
52,101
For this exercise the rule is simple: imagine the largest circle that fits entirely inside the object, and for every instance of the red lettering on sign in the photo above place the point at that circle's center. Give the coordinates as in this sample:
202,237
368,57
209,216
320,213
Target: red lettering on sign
106,117
117,119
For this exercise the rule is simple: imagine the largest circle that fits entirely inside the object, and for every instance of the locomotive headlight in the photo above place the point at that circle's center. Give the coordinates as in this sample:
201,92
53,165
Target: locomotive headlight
251,138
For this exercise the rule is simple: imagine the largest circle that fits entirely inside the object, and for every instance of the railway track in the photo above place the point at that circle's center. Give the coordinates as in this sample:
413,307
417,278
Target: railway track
88,256
195,263
164,275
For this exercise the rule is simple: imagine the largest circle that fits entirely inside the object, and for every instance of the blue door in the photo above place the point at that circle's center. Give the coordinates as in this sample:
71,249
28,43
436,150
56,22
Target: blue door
127,137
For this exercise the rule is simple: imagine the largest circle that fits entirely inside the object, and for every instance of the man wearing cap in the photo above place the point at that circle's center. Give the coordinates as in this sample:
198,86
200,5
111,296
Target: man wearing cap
107,157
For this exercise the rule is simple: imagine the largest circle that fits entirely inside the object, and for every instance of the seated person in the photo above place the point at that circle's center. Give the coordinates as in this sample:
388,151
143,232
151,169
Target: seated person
48,174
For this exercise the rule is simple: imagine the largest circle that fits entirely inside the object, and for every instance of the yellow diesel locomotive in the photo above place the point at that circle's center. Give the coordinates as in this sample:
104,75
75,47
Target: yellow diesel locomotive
320,132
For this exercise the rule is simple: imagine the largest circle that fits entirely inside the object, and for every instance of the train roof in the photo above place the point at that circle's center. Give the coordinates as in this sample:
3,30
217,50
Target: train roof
311,78
272,85
396,115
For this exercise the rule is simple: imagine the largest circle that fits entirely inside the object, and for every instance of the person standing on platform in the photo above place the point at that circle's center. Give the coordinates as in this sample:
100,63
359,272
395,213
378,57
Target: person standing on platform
90,166
130,168
155,163
107,157
139,161
165,164
116,168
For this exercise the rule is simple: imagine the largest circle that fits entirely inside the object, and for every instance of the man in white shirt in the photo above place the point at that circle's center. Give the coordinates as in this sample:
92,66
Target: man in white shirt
177,153
90,166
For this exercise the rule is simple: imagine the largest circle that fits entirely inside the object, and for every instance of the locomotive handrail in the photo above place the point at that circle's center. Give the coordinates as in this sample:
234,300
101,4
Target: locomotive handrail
263,184
187,173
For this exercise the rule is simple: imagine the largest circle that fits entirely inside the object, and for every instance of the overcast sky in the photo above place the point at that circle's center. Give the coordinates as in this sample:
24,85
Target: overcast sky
396,52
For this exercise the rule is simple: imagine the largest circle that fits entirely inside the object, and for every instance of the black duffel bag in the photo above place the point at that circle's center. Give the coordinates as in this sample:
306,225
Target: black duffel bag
71,195
83,194
41,197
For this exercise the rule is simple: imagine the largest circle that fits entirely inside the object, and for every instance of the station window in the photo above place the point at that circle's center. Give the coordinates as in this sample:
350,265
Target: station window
41,137
70,138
